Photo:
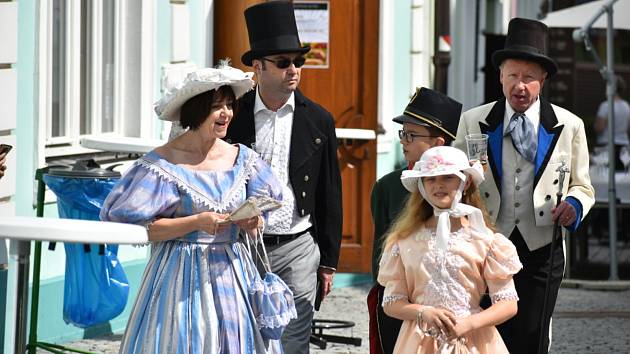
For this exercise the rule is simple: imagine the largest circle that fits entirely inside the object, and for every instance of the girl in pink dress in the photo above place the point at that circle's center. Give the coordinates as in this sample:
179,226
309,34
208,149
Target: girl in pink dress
440,257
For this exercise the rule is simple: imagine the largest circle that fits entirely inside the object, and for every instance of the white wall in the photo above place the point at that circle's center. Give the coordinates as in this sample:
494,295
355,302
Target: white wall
468,42
8,100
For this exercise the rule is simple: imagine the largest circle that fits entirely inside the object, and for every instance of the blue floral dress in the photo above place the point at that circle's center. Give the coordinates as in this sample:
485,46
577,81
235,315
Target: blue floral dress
193,293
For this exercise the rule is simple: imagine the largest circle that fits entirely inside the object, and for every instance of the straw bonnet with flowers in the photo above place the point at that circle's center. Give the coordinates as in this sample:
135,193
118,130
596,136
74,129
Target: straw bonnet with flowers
446,160
200,81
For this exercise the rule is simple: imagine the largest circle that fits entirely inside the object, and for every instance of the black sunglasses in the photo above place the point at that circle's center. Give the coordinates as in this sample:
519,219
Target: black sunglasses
284,63
409,136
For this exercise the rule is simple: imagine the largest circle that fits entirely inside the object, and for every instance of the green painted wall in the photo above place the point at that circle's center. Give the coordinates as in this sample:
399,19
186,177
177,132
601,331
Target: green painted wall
197,32
25,134
162,49
386,162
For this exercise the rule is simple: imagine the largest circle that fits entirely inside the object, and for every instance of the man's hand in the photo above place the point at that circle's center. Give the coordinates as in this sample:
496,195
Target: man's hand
326,276
565,214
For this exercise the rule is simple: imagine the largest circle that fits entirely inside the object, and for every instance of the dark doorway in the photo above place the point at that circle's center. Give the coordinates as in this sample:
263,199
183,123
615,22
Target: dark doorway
492,86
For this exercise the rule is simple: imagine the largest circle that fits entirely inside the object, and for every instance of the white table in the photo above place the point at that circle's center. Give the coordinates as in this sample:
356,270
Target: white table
55,230
599,181
26,228
121,144
142,146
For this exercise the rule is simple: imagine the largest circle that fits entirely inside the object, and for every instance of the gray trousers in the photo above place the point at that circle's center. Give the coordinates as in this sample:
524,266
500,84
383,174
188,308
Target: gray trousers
296,262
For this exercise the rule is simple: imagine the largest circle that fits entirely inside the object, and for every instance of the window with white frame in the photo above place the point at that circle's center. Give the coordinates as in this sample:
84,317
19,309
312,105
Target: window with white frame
88,50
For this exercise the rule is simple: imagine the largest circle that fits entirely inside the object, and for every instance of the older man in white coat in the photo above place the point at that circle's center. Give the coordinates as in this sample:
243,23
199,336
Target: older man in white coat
529,138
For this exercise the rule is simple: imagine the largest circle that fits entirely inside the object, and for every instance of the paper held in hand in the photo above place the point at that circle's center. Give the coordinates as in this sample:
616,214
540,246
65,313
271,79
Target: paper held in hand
253,206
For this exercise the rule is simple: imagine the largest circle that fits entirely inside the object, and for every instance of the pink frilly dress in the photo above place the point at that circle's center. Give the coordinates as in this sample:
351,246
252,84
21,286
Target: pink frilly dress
415,270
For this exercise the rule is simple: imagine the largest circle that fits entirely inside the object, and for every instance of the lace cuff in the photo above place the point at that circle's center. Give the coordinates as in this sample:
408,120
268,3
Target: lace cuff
389,299
504,295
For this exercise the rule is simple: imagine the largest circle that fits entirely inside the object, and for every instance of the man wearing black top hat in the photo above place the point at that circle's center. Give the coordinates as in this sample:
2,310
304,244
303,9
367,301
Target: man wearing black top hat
430,119
297,138
529,142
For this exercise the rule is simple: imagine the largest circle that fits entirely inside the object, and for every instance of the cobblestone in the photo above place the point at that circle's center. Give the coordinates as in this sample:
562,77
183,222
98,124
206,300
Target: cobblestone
586,321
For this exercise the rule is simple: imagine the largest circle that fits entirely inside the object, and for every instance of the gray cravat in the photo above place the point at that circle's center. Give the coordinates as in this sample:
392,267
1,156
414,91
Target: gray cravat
521,130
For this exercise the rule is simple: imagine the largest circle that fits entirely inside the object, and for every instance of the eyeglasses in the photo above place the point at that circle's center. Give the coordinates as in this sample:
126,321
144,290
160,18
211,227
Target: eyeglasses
409,136
284,63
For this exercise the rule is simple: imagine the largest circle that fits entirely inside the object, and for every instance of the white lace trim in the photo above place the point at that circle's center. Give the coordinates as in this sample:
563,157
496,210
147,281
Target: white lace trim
271,288
276,321
197,195
444,289
513,263
455,236
389,299
424,235
504,295
394,252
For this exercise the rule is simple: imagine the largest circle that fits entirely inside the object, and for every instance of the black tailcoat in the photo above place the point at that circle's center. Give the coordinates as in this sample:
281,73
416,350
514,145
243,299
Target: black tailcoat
313,167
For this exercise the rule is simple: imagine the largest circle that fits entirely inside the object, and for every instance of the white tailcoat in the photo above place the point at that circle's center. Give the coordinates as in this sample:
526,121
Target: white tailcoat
561,137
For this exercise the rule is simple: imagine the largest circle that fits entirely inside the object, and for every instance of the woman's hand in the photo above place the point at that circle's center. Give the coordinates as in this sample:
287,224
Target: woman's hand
440,319
250,224
209,222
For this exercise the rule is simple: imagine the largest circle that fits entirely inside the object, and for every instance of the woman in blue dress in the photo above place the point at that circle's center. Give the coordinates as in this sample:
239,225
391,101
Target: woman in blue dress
193,296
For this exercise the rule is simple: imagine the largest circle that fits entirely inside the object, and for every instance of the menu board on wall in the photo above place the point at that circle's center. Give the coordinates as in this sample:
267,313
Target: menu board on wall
313,24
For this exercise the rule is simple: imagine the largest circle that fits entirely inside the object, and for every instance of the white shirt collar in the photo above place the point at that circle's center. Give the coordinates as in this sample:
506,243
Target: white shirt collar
532,113
259,105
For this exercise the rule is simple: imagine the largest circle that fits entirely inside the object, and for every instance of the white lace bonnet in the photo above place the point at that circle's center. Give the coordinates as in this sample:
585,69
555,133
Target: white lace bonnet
446,160
202,80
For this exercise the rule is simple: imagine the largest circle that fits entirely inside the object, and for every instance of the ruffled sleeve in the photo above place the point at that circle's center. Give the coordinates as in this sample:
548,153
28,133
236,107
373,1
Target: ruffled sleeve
499,267
262,181
391,275
140,197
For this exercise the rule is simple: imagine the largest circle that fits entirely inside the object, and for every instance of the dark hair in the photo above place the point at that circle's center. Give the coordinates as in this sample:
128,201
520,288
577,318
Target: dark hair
433,131
196,110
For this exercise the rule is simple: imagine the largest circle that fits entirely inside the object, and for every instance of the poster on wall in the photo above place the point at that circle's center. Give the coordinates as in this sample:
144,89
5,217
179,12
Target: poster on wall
313,24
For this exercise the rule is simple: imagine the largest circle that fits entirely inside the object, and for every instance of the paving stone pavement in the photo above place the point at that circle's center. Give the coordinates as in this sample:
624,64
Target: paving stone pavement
586,321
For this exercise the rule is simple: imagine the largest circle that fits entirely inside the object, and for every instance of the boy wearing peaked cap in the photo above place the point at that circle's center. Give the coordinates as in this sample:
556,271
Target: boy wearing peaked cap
430,119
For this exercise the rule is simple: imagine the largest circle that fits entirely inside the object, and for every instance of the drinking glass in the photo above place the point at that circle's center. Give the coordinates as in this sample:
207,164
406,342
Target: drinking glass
624,156
477,146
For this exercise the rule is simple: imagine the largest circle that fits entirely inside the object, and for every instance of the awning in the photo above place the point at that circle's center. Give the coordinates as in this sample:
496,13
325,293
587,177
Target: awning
578,16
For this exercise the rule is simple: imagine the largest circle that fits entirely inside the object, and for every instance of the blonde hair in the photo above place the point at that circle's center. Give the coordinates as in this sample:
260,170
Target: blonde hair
417,211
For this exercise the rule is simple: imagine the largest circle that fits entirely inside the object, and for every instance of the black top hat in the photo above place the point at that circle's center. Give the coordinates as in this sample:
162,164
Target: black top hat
432,109
272,30
526,40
